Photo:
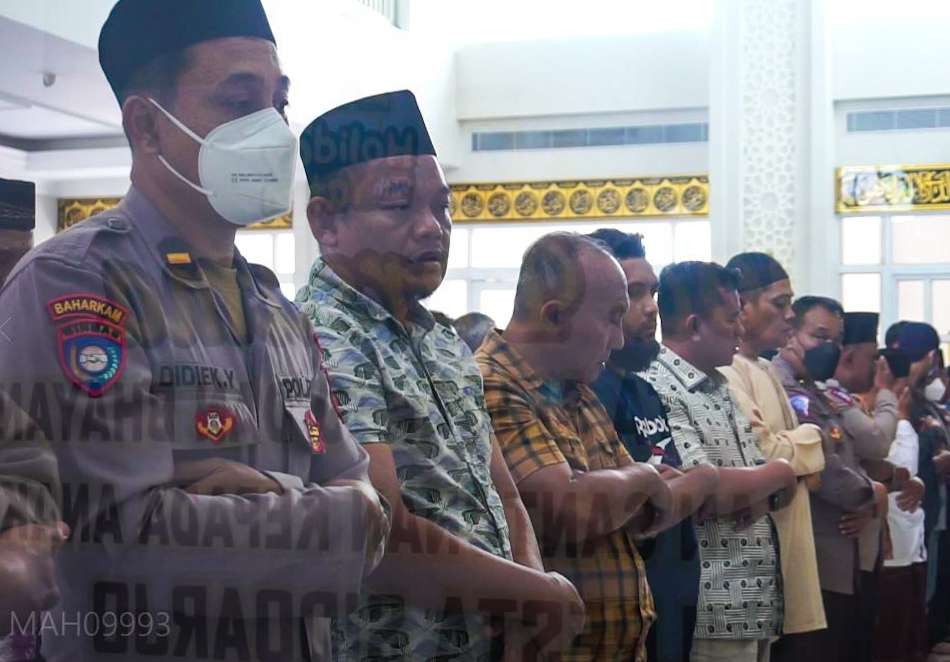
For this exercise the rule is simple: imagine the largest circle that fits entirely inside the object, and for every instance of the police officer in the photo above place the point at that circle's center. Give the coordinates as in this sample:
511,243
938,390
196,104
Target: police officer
809,358
217,505
864,389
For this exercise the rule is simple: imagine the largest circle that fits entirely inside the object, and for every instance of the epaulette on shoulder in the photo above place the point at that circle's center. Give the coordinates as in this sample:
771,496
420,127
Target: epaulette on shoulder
73,246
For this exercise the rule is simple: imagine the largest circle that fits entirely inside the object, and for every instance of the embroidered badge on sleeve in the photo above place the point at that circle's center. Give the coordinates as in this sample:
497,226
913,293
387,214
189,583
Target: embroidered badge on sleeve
91,340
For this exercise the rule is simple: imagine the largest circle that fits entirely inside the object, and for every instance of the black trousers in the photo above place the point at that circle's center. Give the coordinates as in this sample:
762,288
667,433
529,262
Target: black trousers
938,609
833,644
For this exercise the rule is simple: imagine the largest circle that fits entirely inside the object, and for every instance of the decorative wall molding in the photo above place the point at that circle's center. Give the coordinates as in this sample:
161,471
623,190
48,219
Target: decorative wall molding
862,189
579,200
76,210
770,103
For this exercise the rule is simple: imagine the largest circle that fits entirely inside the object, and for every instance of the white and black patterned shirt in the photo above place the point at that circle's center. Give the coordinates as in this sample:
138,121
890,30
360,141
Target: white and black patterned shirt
740,592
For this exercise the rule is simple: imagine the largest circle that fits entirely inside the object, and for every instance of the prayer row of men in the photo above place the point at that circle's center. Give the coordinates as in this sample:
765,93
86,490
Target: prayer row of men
193,467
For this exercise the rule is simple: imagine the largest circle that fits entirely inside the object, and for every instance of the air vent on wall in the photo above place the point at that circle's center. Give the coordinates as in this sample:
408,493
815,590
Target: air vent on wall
899,119
489,141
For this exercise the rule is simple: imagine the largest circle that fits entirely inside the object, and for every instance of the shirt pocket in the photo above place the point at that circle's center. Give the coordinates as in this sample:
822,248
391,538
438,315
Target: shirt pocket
214,424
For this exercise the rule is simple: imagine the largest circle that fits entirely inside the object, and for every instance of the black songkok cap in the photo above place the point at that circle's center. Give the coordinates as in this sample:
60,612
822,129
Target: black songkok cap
138,31
17,205
376,127
860,328
917,339
757,270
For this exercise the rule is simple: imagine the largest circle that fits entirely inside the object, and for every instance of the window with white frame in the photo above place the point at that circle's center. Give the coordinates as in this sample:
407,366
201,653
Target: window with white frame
484,259
898,265
273,249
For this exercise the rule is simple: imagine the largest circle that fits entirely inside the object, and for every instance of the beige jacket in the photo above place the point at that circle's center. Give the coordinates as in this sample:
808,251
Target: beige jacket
760,396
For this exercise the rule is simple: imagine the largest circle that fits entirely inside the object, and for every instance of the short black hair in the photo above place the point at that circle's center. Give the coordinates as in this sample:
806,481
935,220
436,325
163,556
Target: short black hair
622,245
473,328
802,305
756,271
551,269
159,77
692,288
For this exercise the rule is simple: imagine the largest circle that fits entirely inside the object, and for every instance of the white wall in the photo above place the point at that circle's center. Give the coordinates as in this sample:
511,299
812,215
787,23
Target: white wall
902,56
583,76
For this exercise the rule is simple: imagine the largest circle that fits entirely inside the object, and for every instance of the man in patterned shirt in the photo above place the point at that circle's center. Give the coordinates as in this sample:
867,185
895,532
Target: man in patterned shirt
740,596
585,494
672,558
410,392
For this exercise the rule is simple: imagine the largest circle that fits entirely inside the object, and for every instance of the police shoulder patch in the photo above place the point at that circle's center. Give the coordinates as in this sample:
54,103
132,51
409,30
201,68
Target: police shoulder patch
801,404
91,338
92,354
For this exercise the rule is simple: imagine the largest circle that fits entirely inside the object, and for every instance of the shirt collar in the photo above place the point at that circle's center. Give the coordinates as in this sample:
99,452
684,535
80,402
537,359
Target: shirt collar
162,240
563,394
785,373
510,359
689,375
324,280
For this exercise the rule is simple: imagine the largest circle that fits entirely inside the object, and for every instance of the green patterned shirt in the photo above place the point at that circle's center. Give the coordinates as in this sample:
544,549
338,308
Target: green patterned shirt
418,389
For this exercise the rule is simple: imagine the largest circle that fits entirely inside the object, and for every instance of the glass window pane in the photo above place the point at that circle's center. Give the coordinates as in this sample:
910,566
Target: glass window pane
284,258
503,246
921,239
458,248
861,292
450,299
910,300
257,247
940,302
497,303
861,240
288,289
693,241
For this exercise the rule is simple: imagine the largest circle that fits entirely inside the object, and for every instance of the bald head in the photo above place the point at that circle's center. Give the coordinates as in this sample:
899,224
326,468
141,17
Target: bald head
558,267
572,297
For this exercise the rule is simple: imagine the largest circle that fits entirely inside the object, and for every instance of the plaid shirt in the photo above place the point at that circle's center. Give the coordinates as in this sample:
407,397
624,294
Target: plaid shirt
538,426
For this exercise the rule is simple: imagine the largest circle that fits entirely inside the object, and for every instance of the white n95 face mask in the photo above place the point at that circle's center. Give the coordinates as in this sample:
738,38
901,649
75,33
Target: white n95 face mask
245,167
935,390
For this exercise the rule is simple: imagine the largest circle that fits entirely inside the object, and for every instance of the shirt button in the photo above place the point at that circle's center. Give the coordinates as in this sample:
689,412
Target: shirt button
117,224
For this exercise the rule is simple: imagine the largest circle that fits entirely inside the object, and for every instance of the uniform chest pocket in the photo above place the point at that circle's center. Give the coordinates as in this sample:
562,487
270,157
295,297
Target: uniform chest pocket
301,430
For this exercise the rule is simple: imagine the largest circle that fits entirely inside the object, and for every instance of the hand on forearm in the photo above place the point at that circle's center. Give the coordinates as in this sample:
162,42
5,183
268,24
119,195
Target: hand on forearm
741,488
910,497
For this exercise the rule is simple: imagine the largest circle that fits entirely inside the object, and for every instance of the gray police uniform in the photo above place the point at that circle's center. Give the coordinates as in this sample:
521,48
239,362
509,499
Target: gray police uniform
128,362
844,485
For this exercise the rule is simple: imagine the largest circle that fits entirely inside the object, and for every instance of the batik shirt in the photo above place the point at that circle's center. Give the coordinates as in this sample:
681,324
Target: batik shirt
740,593
416,388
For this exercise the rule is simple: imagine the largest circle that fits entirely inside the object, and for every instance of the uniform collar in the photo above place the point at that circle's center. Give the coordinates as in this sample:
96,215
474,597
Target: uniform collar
785,373
688,375
323,279
163,241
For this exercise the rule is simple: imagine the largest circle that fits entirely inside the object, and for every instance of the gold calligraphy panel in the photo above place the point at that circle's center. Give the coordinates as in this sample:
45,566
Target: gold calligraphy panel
578,200
893,188
75,210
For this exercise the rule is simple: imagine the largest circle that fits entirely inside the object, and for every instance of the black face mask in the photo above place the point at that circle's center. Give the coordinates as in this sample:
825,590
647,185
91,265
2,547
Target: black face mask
821,361
635,356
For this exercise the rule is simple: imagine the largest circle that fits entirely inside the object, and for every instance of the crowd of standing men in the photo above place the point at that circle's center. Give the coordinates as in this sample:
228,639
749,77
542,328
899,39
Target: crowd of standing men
193,467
